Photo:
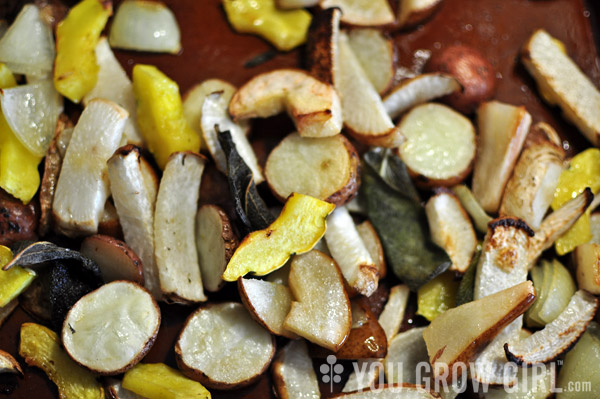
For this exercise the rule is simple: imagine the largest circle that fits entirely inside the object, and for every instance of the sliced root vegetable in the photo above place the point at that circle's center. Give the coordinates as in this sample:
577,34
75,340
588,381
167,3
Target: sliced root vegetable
321,310
451,228
292,4
587,259
439,146
364,114
41,347
377,56
391,391
215,242
322,44
116,260
268,303
502,131
8,364
392,315
405,352
418,90
159,381
370,372
6,310
301,224
174,229
362,12
314,106
561,82
113,389
113,84
325,168
457,334
414,12
83,185
109,224
134,199
99,320
558,336
369,237
293,373
145,26
223,347
215,119
473,208
350,253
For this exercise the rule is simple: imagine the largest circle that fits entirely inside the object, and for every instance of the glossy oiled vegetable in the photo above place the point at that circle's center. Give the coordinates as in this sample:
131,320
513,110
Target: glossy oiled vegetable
159,381
12,281
437,296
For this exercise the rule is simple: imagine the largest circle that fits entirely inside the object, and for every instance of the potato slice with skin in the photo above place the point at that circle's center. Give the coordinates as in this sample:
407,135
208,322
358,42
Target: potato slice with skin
134,199
350,253
439,146
268,303
362,12
159,381
293,373
116,260
118,309
313,106
369,237
174,229
83,186
587,259
8,364
326,168
215,242
298,228
561,82
40,347
391,391
418,90
377,56
364,114
451,228
414,12
502,131
321,310
223,347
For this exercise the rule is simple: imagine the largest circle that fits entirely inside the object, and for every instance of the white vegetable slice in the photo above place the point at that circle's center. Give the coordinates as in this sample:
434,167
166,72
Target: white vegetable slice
558,336
362,12
134,198
174,229
222,347
350,253
418,90
392,315
83,185
27,47
8,364
390,391
268,303
413,12
321,310
215,118
119,320
32,111
113,84
115,259
293,373
369,237
405,352
377,56
145,26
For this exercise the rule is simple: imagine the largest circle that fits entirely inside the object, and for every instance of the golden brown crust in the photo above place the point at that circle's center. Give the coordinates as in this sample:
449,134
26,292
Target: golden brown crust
320,43
390,139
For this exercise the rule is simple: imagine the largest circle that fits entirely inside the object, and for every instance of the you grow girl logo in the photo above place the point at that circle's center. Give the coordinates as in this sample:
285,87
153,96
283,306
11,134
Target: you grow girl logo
331,372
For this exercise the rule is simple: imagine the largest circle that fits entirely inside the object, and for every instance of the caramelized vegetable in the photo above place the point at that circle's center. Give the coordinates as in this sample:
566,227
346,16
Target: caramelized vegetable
12,281
437,296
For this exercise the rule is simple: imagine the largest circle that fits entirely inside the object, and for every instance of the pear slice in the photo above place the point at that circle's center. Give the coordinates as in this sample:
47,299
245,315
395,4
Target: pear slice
392,315
362,12
313,106
377,56
321,310
457,334
8,364
116,260
293,373
405,352
370,238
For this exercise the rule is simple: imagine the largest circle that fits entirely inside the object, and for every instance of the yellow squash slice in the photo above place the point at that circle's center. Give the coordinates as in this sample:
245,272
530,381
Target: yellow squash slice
159,381
14,280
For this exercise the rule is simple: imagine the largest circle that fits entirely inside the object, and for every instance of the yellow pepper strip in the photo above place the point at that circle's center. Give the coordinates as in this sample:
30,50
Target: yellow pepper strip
19,174
159,381
583,172
286,29
437,296
75,67
160,114
14,280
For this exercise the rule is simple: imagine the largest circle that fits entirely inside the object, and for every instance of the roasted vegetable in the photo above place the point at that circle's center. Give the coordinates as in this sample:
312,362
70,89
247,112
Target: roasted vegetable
414,12
293,373
8,364
467,283
115,259
473,208
362,13
587,258
376,53
14,280
407,348
159,381
437,296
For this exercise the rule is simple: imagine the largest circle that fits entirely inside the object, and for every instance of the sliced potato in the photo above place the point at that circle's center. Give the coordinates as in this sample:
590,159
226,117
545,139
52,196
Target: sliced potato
439,146
325,168
451,228
362,12
159,381
587,258
418,90
174,229
502,131
313,106
377,56
393,312
369,237
293,373
321,310
215,243
118,309
116,260
391,391
223,347
268,303
298,228
562,83
8,364
414,12
350,253
83,186
40,347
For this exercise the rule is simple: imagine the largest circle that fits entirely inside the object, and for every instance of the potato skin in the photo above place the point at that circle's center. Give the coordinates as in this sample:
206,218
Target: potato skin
473,72
18,222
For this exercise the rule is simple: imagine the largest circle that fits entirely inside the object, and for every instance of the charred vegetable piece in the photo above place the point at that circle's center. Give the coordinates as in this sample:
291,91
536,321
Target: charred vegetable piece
437,296
467,283
13,281
41,348
159,381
